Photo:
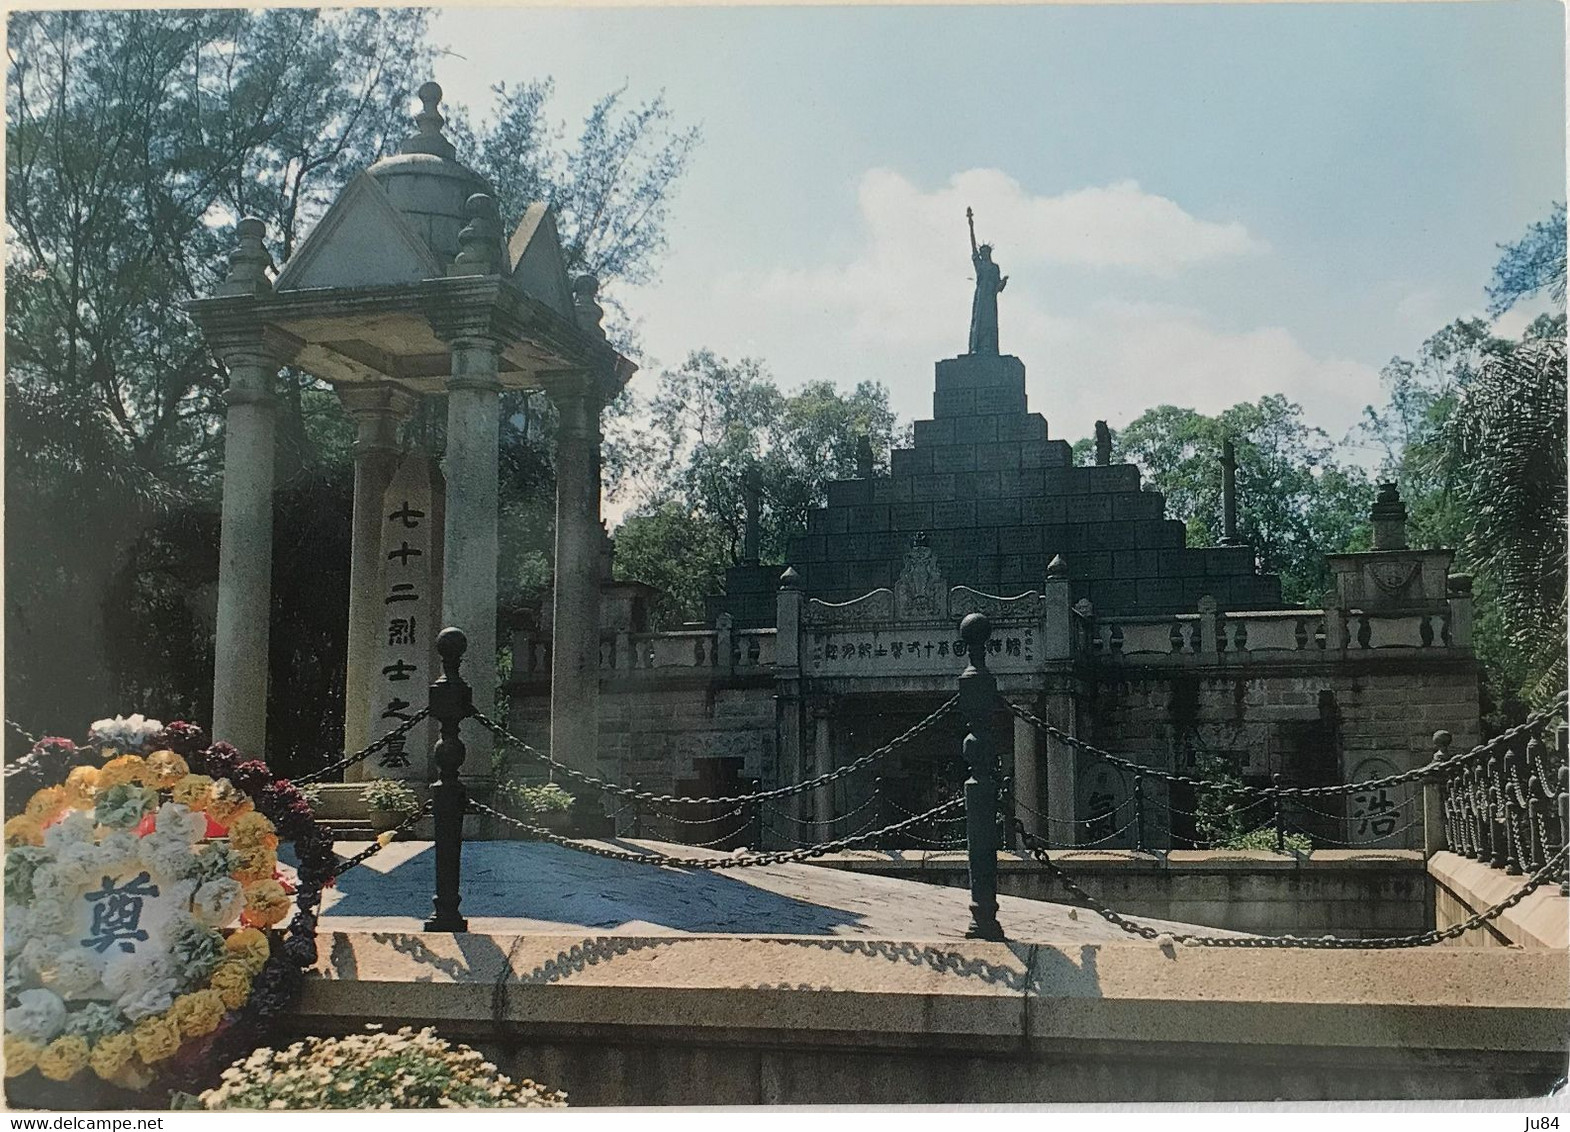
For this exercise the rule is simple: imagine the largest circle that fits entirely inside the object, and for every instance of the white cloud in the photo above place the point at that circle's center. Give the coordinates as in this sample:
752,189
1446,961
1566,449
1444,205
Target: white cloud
900,300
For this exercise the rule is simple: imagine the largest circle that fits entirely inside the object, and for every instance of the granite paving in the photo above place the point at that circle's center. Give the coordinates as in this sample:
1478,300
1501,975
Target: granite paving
521,886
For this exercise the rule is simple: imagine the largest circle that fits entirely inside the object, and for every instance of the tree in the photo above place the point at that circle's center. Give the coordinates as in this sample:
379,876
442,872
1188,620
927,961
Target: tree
1295,499
1474,431
712,423
135,140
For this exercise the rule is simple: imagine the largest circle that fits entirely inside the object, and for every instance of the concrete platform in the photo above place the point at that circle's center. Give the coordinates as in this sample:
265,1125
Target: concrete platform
521,887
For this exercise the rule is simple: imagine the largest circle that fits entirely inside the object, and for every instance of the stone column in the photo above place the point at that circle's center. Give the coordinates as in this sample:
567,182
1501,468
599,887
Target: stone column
1028,765
575,642
789,685
1228,493
377,411
822,763
245,548
1062,773
469,538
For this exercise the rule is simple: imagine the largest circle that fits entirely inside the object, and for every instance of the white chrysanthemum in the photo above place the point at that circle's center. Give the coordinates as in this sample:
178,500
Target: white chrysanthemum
38,950
128,972
38,1016
77,864
218,902
177,820
119,853
72,972
127,733
76,828
167,857
15,931
48,916
50,882
146,1000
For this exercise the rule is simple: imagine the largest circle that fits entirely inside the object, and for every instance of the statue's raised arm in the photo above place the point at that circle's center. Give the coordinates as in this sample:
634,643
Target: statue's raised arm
970,218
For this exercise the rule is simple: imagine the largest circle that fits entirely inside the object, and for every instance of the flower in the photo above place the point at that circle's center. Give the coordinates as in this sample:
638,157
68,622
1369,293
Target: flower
165,768
38,1016
178,820
81,786
218,901
76,828
191,790
48,916
111,1054
186,739
20,865
121,806
252,829
156,1039
146,1001
226,801
119,852
72,971
251,947
127,973
76,864
94,1021
21,1054
121,771
198,1013
64,1058
23,830
194,946
168,857
124,733
231,981
214,861
45,805
265,904
39,951
257,862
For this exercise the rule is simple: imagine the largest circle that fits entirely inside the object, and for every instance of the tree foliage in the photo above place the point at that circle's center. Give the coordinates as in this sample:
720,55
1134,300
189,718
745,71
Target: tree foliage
1533,265
1296,499
135,140
712,423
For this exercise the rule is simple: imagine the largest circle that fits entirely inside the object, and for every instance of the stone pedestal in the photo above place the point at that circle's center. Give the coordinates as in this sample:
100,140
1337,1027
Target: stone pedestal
377,412
245,550
469,543
1062,773
1029,765
575,646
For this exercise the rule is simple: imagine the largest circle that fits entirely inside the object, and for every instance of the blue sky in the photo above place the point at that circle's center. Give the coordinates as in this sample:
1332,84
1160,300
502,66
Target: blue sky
1196,204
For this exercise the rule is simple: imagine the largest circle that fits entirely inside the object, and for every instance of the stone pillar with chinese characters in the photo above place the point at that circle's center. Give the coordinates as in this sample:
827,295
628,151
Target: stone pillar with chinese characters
401,669
378,411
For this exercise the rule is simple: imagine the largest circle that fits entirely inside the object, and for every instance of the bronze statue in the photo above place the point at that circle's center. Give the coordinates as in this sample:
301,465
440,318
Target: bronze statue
989,284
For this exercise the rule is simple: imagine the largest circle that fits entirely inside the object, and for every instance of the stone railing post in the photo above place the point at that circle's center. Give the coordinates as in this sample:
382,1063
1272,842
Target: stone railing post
451,702
724,644
1209,623
1434,800
978,696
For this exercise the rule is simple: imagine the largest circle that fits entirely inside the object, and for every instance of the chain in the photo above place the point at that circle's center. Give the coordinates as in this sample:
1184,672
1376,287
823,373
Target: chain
728,862
360,756
379,844
825,821
699,821
677,799
1038,850
1428,770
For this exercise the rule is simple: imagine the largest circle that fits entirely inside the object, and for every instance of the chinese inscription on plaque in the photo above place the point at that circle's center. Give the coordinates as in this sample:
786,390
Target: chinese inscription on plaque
404,638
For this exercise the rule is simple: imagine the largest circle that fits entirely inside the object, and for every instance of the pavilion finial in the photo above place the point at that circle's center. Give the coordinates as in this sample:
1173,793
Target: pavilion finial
249,261
478,243
586,306
430,138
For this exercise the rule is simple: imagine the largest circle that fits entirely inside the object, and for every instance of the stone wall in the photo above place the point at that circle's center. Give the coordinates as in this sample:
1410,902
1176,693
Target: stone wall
647,1020
662,736
1463,887
1354,895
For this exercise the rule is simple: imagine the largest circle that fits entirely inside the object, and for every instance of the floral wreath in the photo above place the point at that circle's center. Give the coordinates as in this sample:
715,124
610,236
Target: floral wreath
150,932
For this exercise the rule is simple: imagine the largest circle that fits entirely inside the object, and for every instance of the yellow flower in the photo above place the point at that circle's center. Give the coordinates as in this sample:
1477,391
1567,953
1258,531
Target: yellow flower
156,1038
198,1013
111,1054
251,830
225,802
47,804
256,863
165,768
250,947
20,1055
192,790
231,980
81,786
23,830
64,1058
117,772
266,904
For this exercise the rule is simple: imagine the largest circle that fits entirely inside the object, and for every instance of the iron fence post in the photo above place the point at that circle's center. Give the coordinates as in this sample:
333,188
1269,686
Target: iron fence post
878,820
637,810
451,702
1434,838
1281,820
1139,813
755,817
978,694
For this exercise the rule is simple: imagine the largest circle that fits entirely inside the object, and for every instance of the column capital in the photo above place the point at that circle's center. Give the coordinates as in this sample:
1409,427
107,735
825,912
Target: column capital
377,411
